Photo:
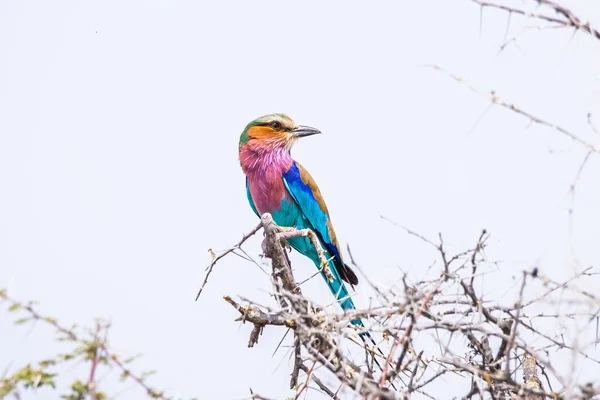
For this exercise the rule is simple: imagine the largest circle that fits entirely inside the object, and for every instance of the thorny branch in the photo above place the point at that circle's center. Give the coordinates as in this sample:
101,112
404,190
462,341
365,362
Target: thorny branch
216,258
496,99
565,17
496,349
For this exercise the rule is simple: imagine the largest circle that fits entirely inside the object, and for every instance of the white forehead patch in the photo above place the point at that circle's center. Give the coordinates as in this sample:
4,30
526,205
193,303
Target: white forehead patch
284,119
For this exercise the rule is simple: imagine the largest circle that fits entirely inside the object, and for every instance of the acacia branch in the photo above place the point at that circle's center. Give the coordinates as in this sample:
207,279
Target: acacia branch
421,307
216,258
569,19
496,99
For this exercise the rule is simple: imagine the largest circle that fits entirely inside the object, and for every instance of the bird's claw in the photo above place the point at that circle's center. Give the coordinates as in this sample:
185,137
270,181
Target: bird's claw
286,229
287,246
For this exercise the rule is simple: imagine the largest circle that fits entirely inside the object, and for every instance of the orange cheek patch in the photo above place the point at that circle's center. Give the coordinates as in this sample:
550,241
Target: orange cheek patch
265,132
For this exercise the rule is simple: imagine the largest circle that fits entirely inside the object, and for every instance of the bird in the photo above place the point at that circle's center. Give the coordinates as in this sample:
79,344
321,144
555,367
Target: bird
281,186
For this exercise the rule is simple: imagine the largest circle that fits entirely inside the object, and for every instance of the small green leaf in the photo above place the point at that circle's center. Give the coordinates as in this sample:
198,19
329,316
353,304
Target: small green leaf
132,359
154,394
14,307
46,363
148,373
78,391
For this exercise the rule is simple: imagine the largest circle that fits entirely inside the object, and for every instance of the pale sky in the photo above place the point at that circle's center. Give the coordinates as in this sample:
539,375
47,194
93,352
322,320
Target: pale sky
119,124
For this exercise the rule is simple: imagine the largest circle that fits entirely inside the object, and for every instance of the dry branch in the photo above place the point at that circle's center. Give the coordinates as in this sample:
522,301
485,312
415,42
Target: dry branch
566,18
423,307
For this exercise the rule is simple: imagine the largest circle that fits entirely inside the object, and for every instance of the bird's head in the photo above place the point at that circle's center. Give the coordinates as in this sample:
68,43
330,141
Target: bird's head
276,131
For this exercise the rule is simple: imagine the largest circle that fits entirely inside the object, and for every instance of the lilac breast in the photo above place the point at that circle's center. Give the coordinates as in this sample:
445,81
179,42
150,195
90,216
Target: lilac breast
264,168
267,191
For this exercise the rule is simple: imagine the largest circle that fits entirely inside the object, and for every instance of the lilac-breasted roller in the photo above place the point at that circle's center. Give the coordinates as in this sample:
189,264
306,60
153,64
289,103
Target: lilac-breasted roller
277,184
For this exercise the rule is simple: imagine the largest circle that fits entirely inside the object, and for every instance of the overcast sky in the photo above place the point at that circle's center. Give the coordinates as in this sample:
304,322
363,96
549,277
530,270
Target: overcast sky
119,124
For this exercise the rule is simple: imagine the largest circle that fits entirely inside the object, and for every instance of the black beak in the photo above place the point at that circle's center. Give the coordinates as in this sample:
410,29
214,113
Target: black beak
302,131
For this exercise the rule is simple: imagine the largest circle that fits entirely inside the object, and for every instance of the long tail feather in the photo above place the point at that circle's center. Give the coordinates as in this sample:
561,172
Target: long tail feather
366,335
339,290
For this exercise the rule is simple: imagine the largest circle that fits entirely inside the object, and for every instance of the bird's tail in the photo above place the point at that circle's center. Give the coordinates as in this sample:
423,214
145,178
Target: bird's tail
366,335
339,290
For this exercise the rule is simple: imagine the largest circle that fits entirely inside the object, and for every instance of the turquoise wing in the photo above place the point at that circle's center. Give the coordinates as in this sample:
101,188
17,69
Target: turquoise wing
307,196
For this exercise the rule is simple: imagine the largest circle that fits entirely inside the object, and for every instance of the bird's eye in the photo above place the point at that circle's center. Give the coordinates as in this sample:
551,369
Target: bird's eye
275,125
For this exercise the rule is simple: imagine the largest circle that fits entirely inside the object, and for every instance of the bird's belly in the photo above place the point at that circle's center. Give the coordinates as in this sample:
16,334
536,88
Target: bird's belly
268,193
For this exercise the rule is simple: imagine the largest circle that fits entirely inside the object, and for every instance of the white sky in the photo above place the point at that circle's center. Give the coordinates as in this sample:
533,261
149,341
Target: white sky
119,124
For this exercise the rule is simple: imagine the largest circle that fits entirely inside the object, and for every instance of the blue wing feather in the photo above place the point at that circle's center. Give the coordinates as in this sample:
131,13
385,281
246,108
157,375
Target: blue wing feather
305,199
316,220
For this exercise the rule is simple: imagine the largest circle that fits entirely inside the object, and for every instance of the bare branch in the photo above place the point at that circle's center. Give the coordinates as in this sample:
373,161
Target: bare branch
568,18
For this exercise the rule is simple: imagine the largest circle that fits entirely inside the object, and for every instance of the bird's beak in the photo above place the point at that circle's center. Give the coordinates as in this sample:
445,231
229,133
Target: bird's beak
301,131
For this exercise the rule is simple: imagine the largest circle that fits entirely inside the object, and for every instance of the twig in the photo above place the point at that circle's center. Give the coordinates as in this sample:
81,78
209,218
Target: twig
297,362
216,258
308,376
530,377
569,18
494,98
91,384
320,384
